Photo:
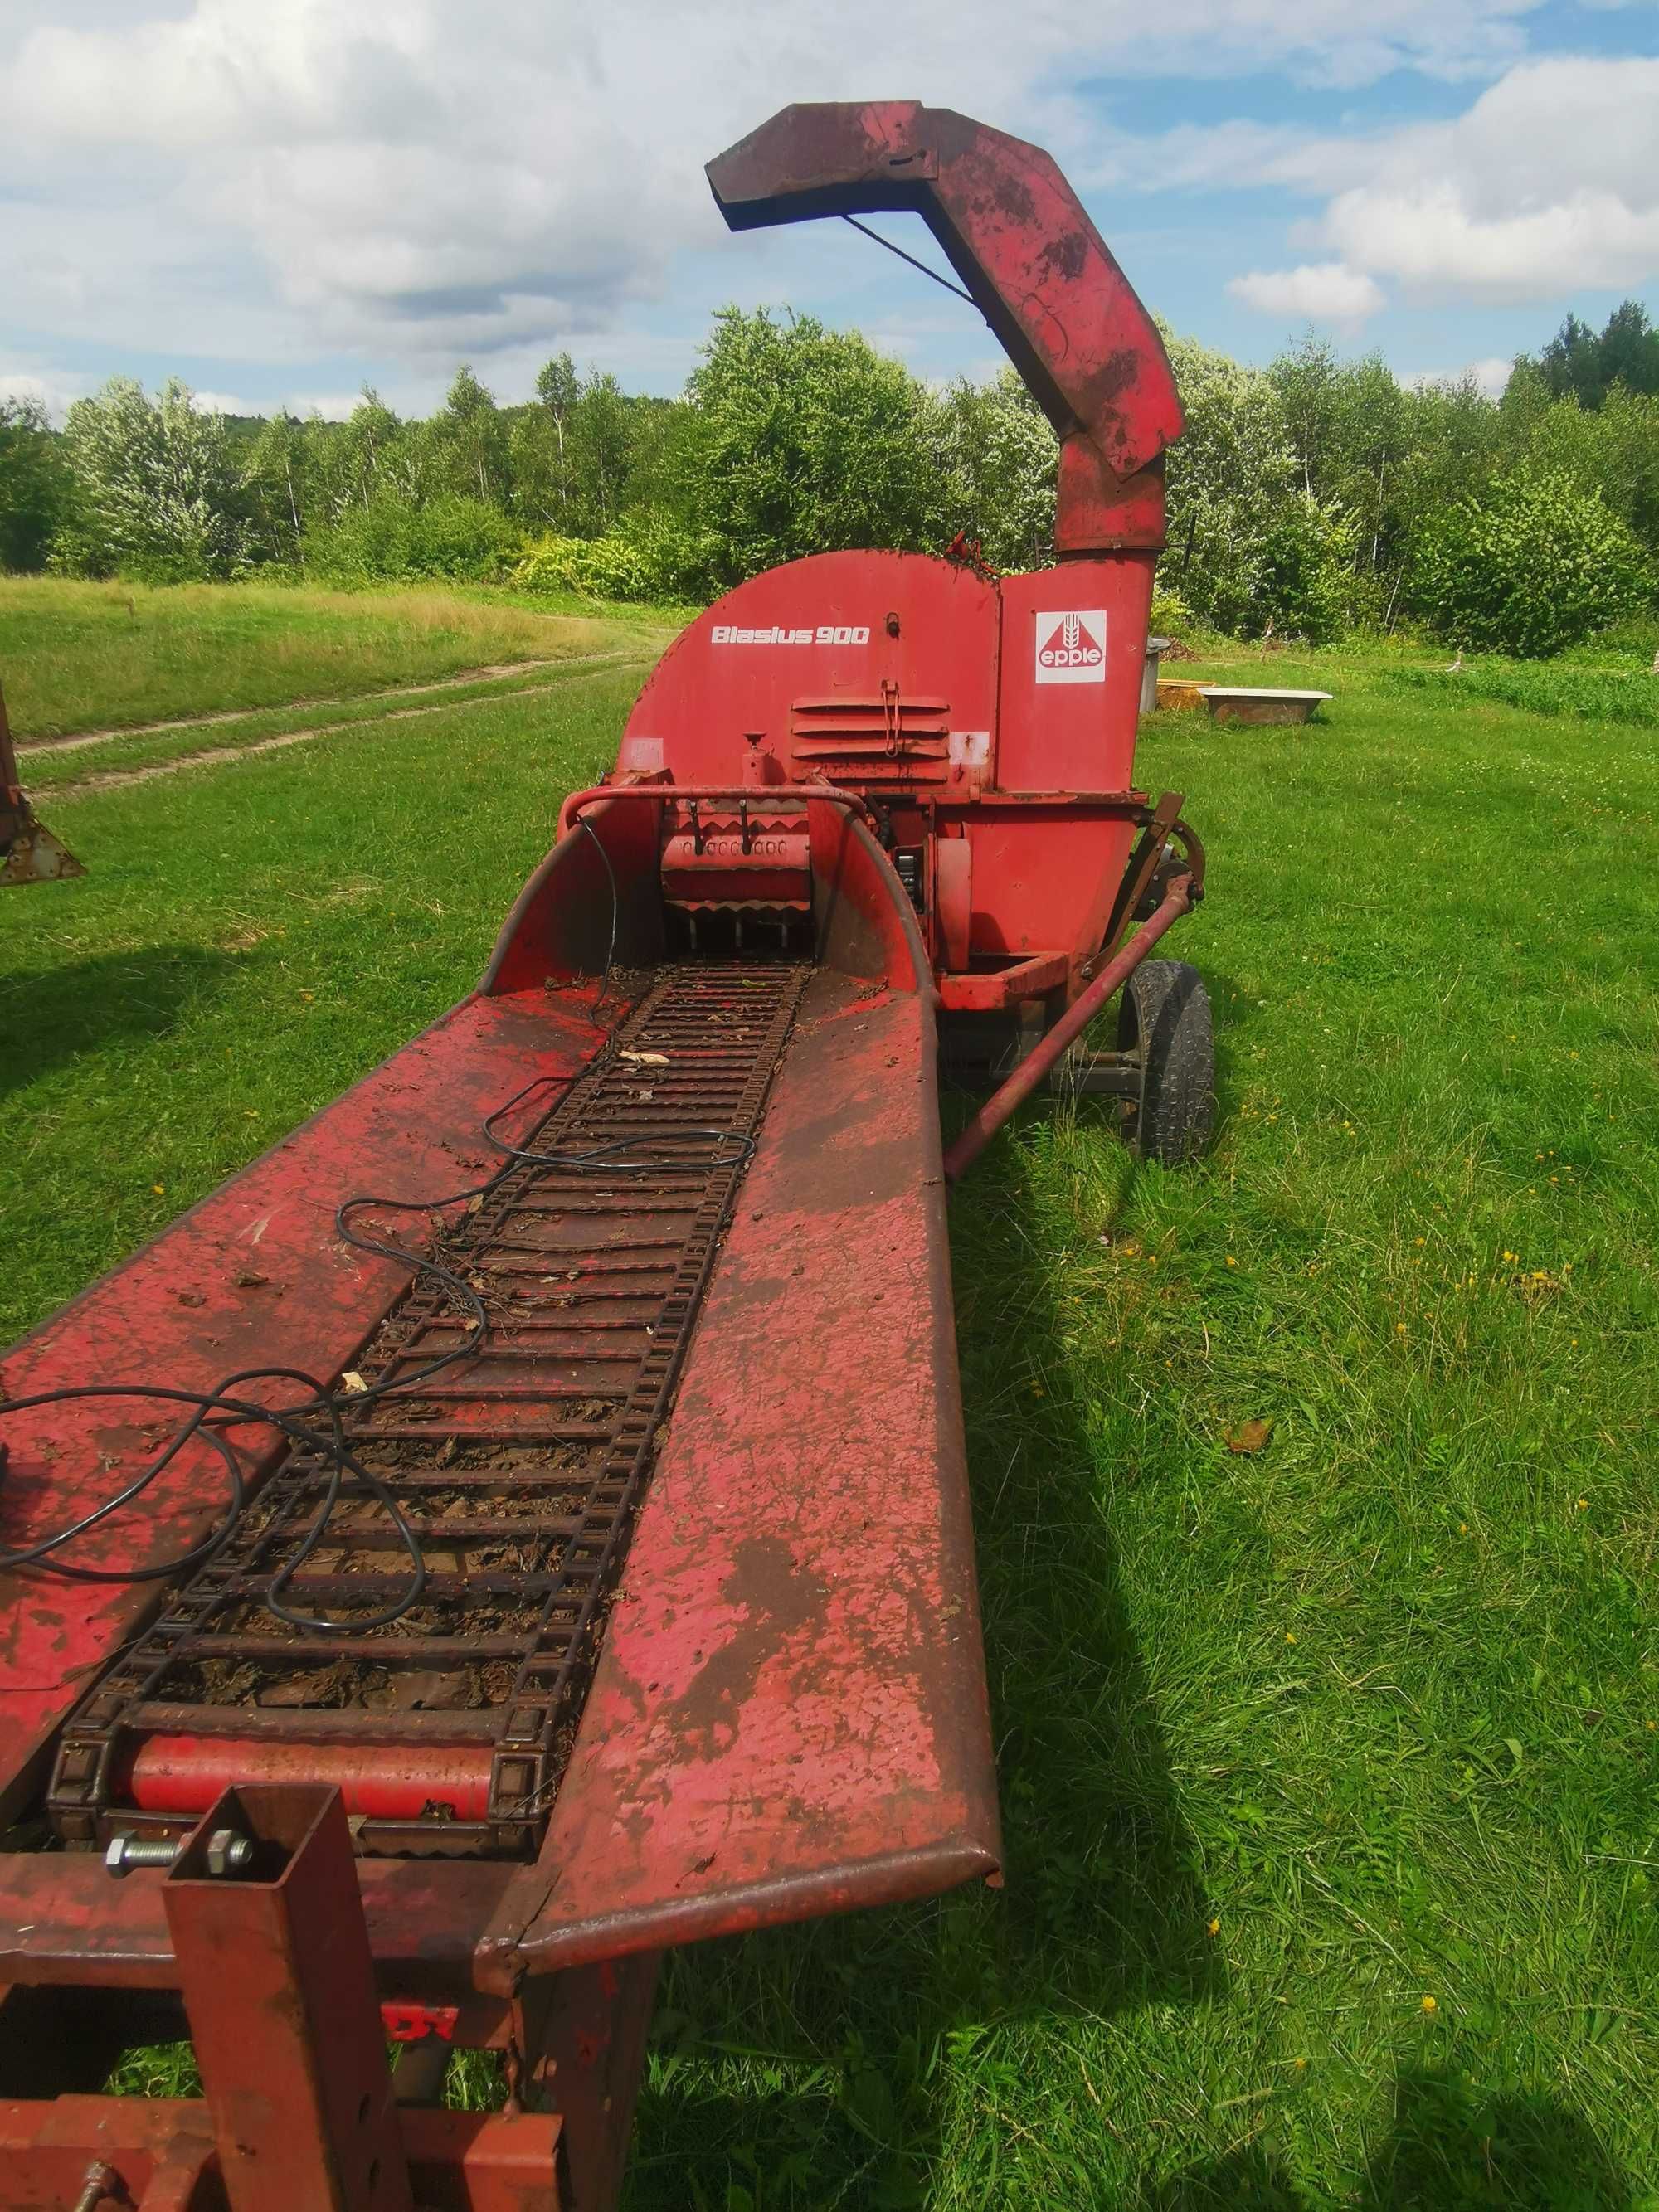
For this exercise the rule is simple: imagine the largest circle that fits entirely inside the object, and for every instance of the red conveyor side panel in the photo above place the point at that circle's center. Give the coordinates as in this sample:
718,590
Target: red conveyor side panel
789,1716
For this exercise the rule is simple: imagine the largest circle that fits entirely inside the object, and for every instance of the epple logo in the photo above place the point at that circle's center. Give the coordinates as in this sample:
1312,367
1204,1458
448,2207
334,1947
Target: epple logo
1071,648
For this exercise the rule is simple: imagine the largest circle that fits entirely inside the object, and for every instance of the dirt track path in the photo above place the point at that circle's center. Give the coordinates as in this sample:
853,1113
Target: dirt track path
117,778
73,740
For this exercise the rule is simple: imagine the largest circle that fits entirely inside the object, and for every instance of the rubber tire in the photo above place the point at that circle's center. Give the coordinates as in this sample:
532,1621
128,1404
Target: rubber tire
1166,1011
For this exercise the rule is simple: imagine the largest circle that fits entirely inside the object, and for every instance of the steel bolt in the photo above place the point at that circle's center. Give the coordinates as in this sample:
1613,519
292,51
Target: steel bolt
227,1852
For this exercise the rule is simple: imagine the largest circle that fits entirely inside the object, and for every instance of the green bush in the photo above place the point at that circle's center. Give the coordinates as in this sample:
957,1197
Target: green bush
387,541
1304,567
1531,564
648,557
1171,614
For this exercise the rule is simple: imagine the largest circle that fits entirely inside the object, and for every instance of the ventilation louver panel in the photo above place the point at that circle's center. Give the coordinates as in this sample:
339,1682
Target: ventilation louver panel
885,742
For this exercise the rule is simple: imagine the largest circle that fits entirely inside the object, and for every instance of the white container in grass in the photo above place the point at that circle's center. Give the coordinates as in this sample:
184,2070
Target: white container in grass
1238,702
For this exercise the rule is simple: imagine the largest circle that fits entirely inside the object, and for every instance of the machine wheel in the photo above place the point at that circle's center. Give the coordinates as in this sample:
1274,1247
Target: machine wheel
1164,1017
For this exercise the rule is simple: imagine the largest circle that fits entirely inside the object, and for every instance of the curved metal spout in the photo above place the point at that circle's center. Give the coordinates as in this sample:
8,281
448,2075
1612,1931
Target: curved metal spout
1017,236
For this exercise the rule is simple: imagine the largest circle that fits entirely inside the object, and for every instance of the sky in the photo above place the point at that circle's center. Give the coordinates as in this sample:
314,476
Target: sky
283,200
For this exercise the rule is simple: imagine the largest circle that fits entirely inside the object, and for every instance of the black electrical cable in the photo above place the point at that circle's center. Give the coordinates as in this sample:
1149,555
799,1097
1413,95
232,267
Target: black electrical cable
298,1422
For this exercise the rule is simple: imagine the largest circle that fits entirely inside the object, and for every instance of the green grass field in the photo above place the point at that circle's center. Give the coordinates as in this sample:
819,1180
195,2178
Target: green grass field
1327,1770
78,656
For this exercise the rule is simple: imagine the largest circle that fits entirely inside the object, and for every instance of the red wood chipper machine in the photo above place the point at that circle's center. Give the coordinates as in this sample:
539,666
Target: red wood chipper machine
423,1605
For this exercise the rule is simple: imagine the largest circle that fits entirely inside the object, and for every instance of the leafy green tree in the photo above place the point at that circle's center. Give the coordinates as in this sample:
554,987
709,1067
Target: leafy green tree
808,440
1533,565
1347,422
575,449
390,540
33,485
1580,364
540,456
468,443
1001,459
277,471
370,456
156,495
1228,475
600,446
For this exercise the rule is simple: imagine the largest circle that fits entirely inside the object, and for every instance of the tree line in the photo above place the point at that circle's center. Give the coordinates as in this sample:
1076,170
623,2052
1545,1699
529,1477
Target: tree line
1311,498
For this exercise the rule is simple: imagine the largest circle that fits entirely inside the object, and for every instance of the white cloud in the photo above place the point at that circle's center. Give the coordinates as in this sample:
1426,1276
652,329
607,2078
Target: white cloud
54,390
1489,375
421,179
1549,184
1326,292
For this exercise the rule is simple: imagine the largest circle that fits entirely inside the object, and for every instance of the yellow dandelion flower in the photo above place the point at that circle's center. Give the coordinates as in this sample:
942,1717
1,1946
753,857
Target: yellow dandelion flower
1583,1505
1213,1927
1289,1638
1231,1262
160,1188
1430,2006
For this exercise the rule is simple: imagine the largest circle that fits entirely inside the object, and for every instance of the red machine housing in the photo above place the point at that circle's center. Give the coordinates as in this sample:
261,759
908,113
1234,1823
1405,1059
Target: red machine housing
988,724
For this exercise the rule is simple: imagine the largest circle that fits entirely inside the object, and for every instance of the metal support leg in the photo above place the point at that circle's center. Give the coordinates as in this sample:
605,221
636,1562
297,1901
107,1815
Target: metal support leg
589,2058
278,1984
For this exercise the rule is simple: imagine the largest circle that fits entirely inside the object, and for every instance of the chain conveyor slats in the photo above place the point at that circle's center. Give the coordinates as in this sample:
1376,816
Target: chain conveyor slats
520,1466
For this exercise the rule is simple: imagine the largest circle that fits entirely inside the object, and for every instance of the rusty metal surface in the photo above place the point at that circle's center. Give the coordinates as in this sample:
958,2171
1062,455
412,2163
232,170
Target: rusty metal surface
160,2152
589,2057
62,1919
254,1276
163,2157
1142,862
279,1989
789,1716
519,1466
978,1133
29,854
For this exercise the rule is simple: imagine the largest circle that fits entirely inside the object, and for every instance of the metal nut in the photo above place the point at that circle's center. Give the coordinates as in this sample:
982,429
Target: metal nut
228,1852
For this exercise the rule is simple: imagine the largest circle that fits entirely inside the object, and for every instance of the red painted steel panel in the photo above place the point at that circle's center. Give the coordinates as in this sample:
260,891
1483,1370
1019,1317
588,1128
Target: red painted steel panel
789,1714
255,1275
740,668
1054,733
62,1918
